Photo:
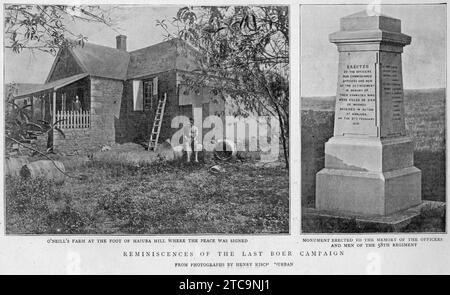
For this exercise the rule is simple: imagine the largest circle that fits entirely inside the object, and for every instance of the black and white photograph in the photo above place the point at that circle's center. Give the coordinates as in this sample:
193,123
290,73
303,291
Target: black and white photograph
373,92
146,119
245,140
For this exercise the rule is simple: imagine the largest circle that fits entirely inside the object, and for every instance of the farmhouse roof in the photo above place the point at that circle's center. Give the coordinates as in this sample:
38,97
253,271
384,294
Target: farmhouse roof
163,56
102,61
107,62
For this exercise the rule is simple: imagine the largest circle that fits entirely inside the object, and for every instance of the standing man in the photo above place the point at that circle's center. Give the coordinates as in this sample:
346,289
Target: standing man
77,104
190,140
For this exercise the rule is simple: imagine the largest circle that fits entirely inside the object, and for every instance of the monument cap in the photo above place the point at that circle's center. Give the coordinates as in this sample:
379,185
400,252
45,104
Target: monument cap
372,20
370,27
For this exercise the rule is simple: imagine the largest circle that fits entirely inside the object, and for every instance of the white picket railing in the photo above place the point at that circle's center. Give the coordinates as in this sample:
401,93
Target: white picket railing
73,119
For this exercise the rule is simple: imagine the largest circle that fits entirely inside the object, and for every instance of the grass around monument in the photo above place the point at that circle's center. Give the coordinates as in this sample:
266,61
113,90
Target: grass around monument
429,221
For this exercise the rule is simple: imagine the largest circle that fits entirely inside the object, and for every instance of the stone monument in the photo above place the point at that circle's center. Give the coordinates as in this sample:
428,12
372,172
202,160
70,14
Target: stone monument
369,166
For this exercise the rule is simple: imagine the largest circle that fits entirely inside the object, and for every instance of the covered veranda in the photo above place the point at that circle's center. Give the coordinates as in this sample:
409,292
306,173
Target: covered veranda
65,102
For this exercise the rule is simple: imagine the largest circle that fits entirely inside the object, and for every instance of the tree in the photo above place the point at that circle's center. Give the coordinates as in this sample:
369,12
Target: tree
245,52
45,27
19,127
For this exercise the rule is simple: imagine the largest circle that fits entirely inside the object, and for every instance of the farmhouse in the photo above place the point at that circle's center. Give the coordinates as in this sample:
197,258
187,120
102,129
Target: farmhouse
100,95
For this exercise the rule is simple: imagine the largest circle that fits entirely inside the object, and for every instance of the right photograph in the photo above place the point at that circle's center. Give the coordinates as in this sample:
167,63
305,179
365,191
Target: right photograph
373,91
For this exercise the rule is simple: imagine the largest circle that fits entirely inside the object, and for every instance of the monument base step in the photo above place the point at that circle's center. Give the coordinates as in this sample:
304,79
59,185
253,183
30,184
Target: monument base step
366,192
394,222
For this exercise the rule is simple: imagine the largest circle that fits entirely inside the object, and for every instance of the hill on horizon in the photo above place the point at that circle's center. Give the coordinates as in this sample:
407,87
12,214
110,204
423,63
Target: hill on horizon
326,103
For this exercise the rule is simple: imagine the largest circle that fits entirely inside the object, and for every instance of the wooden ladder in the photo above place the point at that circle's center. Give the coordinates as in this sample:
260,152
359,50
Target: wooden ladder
154,136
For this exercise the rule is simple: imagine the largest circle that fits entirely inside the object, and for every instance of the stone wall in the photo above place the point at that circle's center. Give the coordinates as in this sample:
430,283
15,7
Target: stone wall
76,141
173,108
106,96
135,126
113,119
130,126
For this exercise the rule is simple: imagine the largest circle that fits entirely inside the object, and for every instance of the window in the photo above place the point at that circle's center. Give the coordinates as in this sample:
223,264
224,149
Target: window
137,95
148,95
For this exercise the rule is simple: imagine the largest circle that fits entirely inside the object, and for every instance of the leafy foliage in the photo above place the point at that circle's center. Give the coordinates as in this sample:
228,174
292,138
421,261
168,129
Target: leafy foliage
20,127
18,124
46,27
244,54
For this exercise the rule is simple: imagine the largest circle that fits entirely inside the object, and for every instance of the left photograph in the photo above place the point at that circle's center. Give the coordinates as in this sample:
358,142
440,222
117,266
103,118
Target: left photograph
144,119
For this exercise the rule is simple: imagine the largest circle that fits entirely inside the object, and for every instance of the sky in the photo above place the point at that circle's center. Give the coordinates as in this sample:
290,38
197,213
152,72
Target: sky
137,22
423,60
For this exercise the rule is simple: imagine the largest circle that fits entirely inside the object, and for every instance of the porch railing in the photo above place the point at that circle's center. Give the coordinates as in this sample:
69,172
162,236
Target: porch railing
73,119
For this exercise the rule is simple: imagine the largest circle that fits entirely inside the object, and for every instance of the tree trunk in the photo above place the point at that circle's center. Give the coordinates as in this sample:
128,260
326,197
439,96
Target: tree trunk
14,165
45,169
283,141
283,134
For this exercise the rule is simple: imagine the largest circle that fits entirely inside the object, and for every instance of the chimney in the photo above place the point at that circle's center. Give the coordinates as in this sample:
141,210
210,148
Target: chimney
121,42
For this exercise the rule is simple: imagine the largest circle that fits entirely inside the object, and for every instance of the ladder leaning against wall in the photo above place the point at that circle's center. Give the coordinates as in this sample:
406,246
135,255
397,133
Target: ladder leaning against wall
157,122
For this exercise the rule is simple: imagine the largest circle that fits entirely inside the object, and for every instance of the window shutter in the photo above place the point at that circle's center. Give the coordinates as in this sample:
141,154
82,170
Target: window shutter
155,86
185,96
138,95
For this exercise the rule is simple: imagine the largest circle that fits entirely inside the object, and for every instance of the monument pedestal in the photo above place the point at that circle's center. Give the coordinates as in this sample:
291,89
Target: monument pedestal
368,193
369,167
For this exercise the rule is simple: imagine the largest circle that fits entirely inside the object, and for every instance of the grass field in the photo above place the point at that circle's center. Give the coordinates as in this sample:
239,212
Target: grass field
161,198
427,222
